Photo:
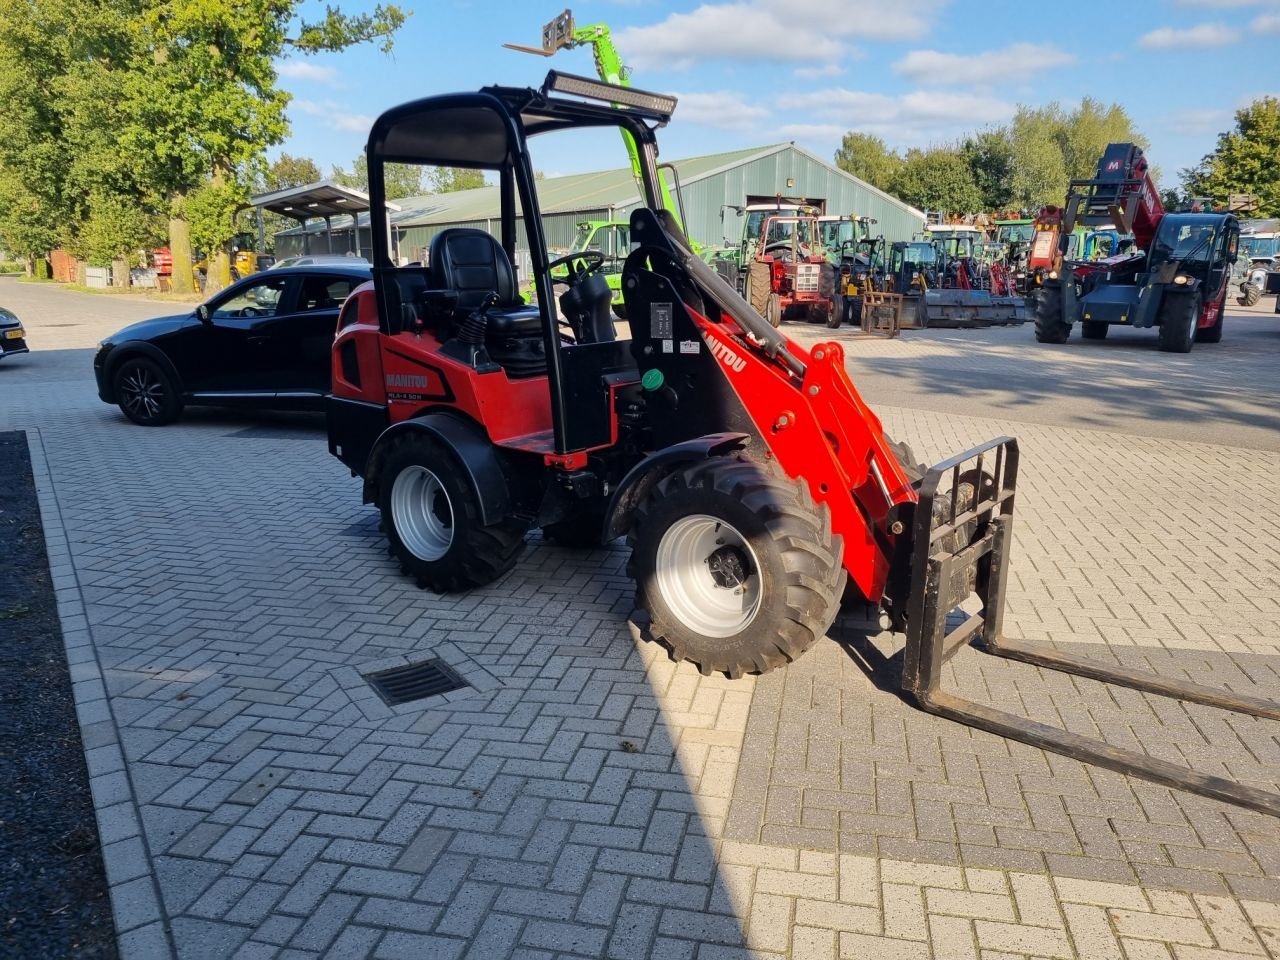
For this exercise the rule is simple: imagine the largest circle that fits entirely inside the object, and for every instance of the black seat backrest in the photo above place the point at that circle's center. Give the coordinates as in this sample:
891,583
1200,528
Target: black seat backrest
472,263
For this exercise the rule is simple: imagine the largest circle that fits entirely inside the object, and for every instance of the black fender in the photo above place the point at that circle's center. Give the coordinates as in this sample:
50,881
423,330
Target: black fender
135,348
646,474
467,442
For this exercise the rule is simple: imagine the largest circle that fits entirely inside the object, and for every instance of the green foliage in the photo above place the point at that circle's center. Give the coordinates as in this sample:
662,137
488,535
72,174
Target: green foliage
938,178
115,228
867,158
451,179
1246,160
290,171
990,157
211,211
12,266
338,30
398,179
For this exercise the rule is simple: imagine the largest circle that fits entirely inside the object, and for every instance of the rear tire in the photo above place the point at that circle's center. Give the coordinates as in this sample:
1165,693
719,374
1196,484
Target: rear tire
431,515
773,310
736,568
1050,327
1094,330
1179,315
145,393
1249,295
759,287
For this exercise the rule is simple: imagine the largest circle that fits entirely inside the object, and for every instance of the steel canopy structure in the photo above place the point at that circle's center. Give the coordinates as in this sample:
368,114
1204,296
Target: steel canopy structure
322,200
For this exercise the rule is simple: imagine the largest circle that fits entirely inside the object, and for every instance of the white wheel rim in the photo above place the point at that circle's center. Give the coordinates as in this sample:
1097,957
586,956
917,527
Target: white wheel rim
422,513
708,576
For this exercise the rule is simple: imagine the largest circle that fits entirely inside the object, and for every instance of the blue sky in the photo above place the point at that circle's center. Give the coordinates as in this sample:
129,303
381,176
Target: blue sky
754,72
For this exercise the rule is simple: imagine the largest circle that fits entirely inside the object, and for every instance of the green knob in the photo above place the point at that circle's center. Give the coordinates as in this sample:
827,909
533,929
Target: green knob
652,379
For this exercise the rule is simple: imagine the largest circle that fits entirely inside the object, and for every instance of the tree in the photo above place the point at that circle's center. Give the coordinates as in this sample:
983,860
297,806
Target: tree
400,180
1246,160
938,178
452,179
867,158
203,105
990,156
290,171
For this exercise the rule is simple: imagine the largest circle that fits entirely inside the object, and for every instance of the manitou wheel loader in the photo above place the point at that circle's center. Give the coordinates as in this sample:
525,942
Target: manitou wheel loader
750,479
1175,279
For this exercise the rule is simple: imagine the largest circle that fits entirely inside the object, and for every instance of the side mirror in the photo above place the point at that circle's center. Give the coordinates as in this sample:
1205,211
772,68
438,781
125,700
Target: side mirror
202,312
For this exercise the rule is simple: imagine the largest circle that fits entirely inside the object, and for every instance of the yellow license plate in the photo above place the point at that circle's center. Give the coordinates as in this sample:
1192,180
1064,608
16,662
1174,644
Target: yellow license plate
13,334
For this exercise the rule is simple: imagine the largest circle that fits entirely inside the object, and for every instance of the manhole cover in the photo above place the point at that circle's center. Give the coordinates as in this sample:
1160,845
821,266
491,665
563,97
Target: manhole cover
414,681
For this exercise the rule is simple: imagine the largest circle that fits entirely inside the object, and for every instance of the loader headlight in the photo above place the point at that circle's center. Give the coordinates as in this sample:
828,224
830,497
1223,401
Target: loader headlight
1053,274
1181,280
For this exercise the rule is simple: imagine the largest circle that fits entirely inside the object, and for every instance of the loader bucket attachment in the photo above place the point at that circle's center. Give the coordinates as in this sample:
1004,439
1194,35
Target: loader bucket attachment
962,538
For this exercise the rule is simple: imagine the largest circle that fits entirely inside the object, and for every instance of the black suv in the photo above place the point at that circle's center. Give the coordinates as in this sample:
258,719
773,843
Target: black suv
263,342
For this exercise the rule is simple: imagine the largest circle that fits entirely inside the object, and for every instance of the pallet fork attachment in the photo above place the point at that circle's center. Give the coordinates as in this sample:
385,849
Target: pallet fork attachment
944,574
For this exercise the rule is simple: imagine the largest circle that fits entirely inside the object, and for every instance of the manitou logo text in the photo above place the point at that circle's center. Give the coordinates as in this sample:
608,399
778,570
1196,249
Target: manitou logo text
406,380
725,354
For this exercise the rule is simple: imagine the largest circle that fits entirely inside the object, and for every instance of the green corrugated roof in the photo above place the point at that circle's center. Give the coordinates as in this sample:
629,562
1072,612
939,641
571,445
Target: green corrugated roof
580,191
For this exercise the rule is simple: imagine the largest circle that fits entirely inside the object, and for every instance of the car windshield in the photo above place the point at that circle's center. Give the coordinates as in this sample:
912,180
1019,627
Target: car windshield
1015,231
581,234
756,219
920,253
781,231
1260,248
1191,242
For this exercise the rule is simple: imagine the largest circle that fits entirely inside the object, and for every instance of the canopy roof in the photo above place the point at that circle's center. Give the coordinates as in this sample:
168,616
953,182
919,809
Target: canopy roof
321,199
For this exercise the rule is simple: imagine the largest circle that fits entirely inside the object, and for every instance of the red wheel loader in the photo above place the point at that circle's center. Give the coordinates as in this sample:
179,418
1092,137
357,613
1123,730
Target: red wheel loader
750,479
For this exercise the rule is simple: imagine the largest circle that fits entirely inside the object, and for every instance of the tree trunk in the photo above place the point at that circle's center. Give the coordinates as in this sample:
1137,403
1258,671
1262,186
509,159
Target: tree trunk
180,248
219,275
120,272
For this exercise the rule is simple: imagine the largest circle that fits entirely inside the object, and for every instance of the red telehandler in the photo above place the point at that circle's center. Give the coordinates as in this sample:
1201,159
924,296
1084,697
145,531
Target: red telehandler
1175,277
750,479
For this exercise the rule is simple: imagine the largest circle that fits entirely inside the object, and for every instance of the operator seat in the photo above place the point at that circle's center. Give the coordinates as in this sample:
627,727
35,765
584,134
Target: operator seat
472,264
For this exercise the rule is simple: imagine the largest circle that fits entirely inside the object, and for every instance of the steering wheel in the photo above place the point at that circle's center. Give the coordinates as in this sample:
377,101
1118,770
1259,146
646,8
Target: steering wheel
593,260
251,312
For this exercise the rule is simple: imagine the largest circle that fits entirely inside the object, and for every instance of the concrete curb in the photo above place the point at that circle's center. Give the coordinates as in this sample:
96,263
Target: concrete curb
142,927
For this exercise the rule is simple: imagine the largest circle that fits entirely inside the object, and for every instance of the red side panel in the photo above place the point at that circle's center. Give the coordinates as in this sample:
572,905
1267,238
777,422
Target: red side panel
358,337
822,434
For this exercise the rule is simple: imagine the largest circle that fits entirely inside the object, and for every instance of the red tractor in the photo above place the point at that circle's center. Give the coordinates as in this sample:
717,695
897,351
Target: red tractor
751,481
790,274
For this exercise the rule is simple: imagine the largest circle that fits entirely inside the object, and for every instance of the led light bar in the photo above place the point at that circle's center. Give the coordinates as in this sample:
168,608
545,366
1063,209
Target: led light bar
656,104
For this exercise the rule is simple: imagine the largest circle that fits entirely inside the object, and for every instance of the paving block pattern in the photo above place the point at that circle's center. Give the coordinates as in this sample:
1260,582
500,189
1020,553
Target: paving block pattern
585,797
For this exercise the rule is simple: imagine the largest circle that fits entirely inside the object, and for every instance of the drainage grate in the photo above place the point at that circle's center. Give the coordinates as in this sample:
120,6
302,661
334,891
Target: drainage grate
414,681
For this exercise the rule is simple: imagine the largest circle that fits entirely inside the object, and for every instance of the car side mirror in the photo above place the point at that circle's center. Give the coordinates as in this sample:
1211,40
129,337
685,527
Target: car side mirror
202,312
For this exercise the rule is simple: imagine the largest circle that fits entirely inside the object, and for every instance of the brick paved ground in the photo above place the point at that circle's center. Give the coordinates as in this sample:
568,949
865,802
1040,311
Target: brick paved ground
223,591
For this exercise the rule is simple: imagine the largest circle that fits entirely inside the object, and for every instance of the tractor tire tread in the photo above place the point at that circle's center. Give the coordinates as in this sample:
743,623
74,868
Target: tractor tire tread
487,552
809,554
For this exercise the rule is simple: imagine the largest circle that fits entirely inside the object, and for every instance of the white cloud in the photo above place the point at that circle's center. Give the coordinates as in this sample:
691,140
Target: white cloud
301,70
336,116
1203,35
351,122
917,118
777,31
722,108
814,73
1265,23
1194,122
934,68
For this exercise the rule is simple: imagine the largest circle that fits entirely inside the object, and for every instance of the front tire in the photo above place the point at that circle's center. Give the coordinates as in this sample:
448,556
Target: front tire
1179,316
145,393
759,287
431,515
1249,294
1050,326
736,568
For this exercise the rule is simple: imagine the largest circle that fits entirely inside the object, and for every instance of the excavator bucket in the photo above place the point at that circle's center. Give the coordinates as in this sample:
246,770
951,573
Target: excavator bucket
963,532
958,308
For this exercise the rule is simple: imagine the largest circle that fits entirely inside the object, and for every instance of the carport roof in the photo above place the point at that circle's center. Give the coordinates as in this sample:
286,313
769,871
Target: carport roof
321,199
